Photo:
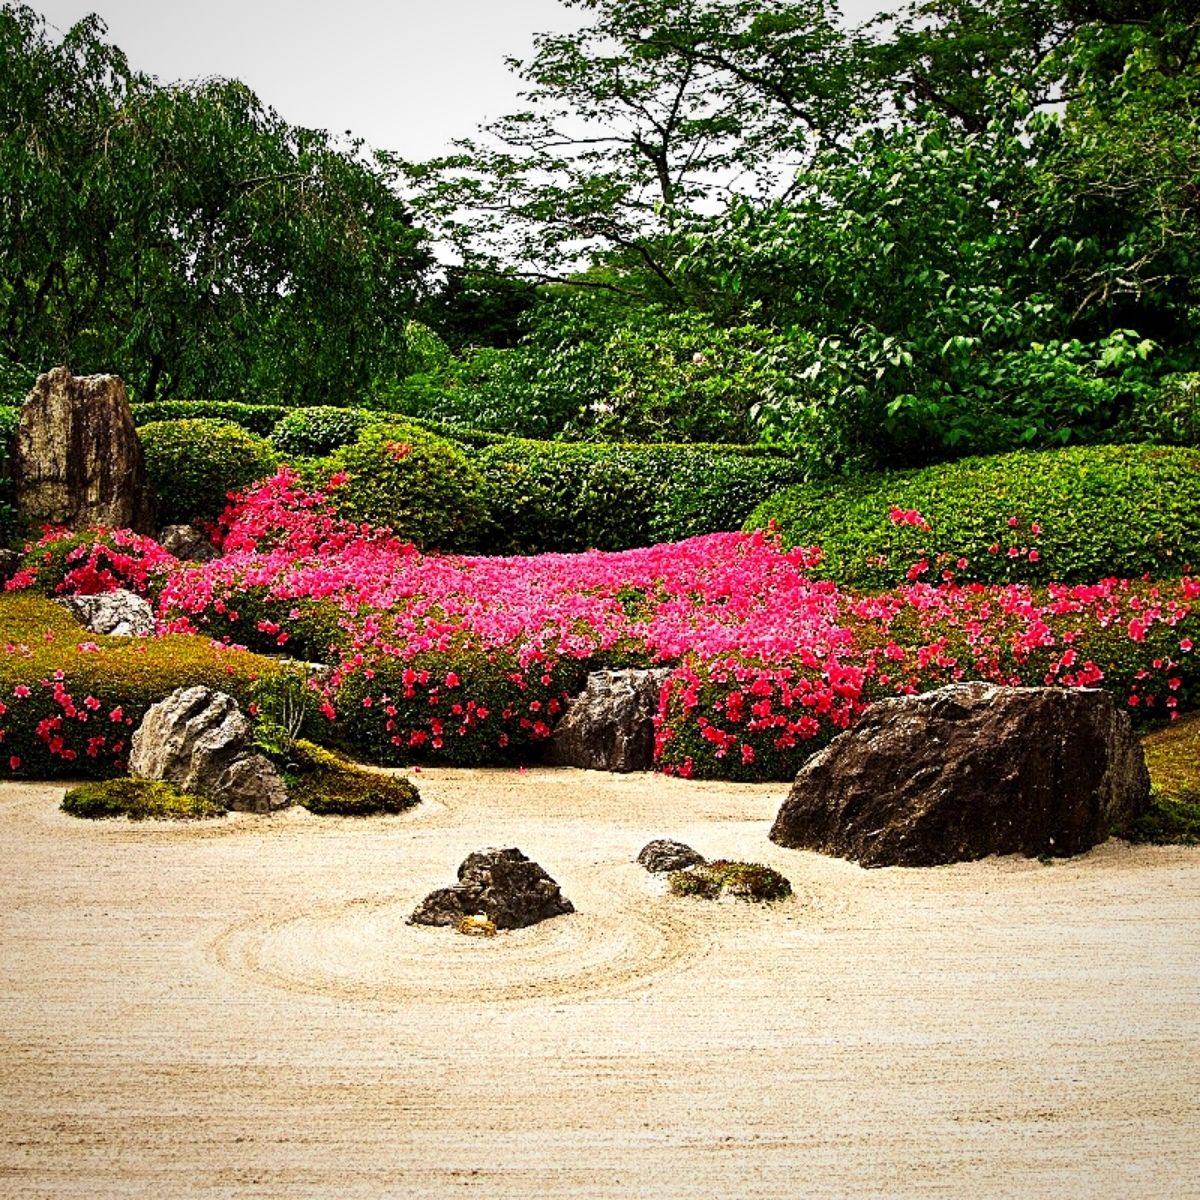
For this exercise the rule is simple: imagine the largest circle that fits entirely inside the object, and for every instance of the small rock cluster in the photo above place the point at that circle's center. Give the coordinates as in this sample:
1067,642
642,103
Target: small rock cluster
503,886
118,613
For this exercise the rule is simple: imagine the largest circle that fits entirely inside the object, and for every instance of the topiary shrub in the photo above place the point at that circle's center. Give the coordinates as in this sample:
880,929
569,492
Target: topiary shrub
567,496
193,465
70,700
330,785
312,432
414,482
1078,514
139,800
255,418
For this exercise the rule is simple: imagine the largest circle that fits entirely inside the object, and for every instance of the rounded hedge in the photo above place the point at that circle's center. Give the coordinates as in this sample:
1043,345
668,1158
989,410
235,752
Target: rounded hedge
412,481
1074,515
317,431
193,465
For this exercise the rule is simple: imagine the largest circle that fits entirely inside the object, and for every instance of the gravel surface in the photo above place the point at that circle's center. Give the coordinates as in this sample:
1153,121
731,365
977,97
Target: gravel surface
239,1009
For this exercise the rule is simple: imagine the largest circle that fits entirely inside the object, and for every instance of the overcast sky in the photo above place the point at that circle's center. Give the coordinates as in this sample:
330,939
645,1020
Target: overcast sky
405,75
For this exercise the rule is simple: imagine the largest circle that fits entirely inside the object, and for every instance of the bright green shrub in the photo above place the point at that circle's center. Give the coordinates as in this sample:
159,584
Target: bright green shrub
330,785
255,418
1098,511
316,431
420,485
139,800
193,465
565,496
78,723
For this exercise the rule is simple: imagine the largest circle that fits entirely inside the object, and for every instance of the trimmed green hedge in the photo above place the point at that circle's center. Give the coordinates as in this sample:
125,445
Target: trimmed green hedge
193,464
255,418
1072,515
78,724
311,432
566,496
419,484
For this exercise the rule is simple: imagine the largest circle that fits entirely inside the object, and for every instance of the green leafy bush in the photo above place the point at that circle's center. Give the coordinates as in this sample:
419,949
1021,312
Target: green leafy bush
139,800
1073,515
329,784
413,481
564,496
193,465
255,418
1170,414
71,700
317,431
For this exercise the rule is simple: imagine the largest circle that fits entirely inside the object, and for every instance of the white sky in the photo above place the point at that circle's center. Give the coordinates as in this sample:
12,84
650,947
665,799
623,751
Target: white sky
404,75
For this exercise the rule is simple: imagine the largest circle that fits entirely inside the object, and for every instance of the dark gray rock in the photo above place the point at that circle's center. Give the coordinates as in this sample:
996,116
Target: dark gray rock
188,543
610,726
118,613
966,771
78,461
666,855
502,885
199,740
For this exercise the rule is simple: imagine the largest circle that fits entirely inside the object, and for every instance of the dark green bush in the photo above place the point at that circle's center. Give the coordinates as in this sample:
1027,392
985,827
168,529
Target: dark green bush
564,496
255,418
139,800
413,481
1170,414
9,416
193,465
104,687
1098,511
315,431
330,785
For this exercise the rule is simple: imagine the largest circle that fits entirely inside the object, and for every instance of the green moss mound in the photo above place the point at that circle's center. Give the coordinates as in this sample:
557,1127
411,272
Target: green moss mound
1073,515
330,785
750,881
193,465
412,481
1173,760
139,800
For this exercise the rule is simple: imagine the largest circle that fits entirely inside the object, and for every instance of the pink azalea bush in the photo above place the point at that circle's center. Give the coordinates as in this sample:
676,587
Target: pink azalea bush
472,659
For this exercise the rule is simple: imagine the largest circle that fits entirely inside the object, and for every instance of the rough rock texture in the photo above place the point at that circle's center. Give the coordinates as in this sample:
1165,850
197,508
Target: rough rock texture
119,613
502,885
199,740
188,543
666,855
610,726
78,461
969,770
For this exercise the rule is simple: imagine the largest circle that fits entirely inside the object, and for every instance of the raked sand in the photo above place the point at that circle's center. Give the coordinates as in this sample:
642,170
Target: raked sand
238,1009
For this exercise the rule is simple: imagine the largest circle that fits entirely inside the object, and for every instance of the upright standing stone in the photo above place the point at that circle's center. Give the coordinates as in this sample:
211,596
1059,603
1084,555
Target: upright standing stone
78,460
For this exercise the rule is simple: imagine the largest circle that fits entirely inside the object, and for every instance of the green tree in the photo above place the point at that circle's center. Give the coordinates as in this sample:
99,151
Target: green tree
186,236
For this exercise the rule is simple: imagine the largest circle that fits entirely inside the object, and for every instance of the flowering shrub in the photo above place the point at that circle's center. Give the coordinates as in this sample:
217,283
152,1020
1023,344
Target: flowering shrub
69,700
471,660
96,560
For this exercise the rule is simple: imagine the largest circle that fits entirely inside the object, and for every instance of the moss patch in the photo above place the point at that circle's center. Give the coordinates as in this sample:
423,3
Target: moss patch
329,785
1173,759
751,881
139,800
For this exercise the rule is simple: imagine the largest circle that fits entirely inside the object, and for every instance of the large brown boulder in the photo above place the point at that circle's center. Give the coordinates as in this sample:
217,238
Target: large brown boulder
504,886
969,770
78,461
610,725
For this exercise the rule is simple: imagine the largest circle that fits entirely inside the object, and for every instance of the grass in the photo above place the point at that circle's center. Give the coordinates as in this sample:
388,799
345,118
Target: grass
139,800
751,881
329,784
1173,760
